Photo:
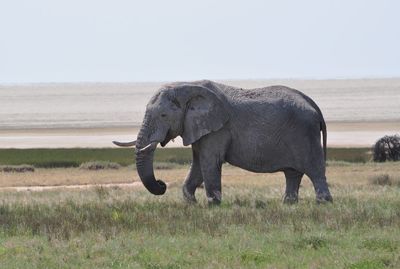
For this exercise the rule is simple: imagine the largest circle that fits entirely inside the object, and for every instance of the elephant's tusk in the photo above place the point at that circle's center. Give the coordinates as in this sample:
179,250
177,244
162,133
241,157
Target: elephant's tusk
152,145
125,144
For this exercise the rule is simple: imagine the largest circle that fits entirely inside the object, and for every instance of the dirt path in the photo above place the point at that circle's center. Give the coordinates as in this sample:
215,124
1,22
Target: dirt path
82,186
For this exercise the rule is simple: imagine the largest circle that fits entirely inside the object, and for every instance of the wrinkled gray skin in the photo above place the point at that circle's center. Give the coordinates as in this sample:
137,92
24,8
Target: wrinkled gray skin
261,130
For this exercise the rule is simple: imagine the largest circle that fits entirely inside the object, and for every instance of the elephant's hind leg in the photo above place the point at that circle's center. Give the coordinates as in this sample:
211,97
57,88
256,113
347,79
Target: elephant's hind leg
321,188
293,180
315,170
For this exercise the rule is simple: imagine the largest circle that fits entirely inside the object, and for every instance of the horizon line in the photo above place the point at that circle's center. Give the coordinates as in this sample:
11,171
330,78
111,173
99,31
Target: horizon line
216,79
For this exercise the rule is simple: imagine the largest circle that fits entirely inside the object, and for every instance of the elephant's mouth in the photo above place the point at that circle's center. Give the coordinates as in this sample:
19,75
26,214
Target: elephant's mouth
168,138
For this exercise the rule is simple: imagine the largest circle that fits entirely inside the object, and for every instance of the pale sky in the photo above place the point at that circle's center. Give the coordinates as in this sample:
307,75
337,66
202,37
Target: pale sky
119,41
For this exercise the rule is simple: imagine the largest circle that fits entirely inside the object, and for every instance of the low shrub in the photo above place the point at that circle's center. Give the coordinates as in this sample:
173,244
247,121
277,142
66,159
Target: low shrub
99,165
17,168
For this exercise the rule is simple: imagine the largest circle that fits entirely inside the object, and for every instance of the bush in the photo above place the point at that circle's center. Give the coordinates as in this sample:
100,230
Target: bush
99,165
17,168
387,149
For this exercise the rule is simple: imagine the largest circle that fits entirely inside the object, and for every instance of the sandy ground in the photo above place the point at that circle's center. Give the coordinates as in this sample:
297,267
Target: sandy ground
66,138
340,134
359,134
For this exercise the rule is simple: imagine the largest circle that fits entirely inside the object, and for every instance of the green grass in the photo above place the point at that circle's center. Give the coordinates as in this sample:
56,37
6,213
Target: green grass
353,155
116,228
51,158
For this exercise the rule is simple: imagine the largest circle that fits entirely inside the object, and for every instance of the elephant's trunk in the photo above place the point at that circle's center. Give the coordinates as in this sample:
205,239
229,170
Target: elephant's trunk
144,166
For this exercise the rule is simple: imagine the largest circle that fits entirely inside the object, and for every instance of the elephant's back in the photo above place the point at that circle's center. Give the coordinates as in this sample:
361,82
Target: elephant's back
275,99
268,94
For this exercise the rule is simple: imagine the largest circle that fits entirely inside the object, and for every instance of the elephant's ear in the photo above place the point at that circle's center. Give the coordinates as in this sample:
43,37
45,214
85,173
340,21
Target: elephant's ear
205,113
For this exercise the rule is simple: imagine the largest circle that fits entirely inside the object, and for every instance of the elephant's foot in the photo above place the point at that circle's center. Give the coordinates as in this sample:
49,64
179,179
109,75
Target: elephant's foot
215,199
323,198
213,202
290,198
188,196
323,195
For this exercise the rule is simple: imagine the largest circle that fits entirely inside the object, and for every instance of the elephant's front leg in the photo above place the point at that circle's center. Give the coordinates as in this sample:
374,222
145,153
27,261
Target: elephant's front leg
211,170
212,182
193,180
211,150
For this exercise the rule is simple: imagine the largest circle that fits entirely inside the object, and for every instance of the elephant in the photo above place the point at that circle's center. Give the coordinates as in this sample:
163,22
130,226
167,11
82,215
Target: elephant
262,130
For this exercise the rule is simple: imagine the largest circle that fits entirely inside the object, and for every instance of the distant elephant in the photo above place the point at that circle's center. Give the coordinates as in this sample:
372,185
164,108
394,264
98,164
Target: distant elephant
261,130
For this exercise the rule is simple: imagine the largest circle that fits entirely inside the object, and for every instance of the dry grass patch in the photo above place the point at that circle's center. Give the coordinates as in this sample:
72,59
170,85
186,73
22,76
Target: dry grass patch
358,176
75,176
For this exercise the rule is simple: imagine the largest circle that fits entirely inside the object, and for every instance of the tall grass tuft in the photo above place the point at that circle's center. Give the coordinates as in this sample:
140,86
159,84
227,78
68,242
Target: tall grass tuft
384,180
102,192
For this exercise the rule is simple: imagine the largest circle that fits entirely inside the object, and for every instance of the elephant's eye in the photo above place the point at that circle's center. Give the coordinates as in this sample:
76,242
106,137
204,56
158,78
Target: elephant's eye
163,115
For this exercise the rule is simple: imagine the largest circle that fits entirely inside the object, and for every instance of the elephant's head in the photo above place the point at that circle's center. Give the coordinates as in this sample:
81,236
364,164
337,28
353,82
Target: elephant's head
187,110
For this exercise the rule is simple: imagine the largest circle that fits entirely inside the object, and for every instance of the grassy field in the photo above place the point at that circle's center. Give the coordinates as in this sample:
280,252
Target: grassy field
51,158
126,228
